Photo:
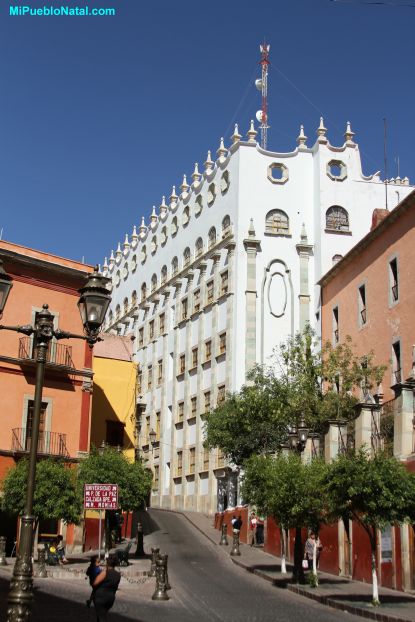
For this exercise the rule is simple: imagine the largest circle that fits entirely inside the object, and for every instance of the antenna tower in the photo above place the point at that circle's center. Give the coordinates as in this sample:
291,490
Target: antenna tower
262,85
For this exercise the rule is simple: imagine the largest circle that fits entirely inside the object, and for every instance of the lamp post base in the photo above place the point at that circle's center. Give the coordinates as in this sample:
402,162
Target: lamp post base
20,597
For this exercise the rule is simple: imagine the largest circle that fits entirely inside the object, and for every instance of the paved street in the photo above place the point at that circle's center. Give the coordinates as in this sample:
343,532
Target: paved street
206,586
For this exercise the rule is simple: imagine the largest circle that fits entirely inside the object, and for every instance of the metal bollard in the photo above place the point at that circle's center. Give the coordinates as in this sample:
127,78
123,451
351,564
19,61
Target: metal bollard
3,560
161,587
154,557
140,542
224,537
41,560
165,559
235,544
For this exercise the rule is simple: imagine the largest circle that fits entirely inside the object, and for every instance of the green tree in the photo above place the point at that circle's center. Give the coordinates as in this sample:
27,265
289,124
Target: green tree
373,492
112,467
55,494
289,491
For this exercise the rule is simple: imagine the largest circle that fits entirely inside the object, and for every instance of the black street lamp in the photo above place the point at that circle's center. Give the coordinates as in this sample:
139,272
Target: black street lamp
93,304
298,436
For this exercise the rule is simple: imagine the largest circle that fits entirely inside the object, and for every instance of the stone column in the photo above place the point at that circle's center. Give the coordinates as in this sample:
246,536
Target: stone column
200,395
163,401
186,394
403,437
173,461
304,251
332,441
252,247
363,424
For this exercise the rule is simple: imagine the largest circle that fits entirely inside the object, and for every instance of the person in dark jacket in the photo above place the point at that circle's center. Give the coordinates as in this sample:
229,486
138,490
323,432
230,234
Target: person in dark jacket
92,572
105,586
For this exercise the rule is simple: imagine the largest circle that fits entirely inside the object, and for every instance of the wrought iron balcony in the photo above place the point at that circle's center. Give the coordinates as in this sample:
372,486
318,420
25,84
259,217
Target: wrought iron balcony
58,354
49,444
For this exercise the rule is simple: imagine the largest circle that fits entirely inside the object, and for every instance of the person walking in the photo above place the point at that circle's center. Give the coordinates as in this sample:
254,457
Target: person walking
237,523
105,585
312,542
92,572
60,549
259,534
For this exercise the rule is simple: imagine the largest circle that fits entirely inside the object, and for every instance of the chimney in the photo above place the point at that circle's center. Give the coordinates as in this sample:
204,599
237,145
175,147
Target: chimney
377,217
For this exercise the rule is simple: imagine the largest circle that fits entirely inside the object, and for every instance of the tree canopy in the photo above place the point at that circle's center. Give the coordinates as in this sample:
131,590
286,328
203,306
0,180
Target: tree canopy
112,467
55,494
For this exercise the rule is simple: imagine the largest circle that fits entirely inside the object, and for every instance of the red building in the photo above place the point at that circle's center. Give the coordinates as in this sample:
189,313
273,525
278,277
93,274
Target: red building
40,278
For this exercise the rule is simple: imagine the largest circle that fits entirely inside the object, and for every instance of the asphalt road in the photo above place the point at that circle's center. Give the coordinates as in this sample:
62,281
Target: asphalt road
206,587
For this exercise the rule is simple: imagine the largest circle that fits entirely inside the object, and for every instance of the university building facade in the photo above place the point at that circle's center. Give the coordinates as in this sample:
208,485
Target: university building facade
221,274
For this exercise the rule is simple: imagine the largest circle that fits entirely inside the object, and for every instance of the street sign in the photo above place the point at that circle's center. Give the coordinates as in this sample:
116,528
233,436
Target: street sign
101,496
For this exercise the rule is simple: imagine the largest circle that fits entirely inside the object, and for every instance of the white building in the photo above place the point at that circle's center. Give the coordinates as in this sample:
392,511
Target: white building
221,275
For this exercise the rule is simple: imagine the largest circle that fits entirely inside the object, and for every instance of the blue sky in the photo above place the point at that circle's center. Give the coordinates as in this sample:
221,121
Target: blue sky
99,117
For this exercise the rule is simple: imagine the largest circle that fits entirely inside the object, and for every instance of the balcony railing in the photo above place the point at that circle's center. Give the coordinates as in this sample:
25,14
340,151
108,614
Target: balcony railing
57,354
49,443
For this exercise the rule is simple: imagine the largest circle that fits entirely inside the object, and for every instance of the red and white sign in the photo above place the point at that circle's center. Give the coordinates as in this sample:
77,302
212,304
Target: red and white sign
101,496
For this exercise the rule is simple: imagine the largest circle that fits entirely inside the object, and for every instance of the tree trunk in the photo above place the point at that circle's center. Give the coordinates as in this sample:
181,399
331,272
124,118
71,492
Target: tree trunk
315,561
298,573
283,536
375,590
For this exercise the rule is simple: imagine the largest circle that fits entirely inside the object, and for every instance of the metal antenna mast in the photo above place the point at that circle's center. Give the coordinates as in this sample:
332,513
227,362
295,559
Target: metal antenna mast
262,85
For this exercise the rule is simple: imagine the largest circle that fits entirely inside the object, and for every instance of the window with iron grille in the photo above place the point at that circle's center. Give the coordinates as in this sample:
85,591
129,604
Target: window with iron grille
158,421
160,372
147,431
396,362
221,394
151,329
139,381
156,477
184,309
207,401
182,363
362,305
179,470
192,459
162,319
193,406
393,281
180,411
224,283
196,300
209,292
337,218
335,325
277,222
149,377
186,257
140,337
194,357
208,350
29,424
205,460
163,275
222,343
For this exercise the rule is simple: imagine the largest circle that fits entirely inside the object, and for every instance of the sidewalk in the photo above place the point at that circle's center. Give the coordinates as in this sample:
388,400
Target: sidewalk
338,592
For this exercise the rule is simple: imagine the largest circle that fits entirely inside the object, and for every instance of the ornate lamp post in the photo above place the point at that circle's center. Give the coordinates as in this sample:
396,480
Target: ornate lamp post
93,305
298,436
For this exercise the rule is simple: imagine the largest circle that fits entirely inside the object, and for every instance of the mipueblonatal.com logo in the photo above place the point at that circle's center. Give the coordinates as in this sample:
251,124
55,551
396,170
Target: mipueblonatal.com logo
60,11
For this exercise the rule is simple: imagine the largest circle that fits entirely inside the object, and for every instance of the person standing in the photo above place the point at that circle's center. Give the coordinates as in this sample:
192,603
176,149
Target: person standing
92,572
60,549
252,529
237,524
312,543
259,534
105,586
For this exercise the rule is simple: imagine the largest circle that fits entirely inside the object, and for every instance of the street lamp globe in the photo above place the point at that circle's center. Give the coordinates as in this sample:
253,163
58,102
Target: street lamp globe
152,435
94,302
5,287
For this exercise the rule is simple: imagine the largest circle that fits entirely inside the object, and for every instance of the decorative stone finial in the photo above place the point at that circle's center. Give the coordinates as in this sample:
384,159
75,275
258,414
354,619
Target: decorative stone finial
236,136
301,138
153,218
209,164
173,198
321,131
134,237
251,230
112,260
252,133
126,244
196,176
105,265
398,180
143,228
184,187
118,253
221,152
348,135
163,207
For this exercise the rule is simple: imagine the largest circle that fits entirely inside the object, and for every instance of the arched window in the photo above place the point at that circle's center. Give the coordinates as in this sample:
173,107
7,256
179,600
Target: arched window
153,244
211,194
186,216
336,258
117,312
143,292
163,237
174,226
337,218
134,298
174,266
186,257
226,225
125,305
153,283
224,182
277,222
199,247
212,237
143,254
110,317
198,205
163,275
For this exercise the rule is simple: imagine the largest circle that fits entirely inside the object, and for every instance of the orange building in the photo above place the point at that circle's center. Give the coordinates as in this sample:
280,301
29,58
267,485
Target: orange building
40,278
370,295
